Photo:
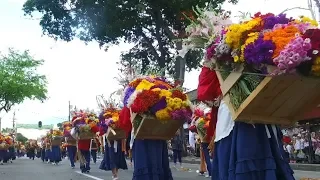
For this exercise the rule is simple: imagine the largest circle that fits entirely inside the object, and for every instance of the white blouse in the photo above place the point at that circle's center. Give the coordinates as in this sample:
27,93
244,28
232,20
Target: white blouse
225,123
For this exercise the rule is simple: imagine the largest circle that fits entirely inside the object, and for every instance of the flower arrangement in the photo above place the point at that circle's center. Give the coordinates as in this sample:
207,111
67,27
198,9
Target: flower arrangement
267,44
158,97
85,122
67,126
57,133
110,118
201,118
3,143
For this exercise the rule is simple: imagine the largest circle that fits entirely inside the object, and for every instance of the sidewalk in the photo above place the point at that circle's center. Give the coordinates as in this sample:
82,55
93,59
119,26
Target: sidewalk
294,166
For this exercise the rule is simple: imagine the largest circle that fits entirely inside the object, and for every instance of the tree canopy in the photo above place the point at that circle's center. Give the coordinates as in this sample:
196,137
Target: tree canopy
19,79
151,25
21,138
60,126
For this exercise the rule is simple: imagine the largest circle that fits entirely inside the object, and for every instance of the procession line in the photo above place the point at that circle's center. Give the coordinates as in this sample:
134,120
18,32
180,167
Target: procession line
89,176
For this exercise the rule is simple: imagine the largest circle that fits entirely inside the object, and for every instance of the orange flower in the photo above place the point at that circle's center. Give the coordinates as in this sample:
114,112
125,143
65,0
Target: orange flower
281,37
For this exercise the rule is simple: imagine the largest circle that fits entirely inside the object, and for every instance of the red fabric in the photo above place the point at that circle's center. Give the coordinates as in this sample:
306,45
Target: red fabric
101,131
212,123
124,120
208,90
209,86
84,144
95,129
286,139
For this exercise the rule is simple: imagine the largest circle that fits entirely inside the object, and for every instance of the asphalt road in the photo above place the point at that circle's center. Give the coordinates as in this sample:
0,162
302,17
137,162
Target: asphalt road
25,169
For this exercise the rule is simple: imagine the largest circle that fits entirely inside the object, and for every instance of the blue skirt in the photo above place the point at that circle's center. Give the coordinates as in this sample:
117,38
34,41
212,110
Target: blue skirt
3,155
48,155
151,161
56,153
249,154
113,159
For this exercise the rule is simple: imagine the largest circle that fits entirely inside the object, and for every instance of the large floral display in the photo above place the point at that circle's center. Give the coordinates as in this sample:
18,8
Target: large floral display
266,45
67,126
200,120
159,97
5,141
85,125
109,123
155,98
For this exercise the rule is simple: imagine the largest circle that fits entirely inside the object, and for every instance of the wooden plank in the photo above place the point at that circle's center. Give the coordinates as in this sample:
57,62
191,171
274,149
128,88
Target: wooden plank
312,102
305,85
265,96
244,107
230,81
282,96
151,128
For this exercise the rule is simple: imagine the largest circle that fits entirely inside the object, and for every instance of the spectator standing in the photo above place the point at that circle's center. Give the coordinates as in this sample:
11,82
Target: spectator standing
176,144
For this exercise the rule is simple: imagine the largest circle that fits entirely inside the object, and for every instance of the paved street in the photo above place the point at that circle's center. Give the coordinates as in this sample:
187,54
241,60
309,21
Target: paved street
25,169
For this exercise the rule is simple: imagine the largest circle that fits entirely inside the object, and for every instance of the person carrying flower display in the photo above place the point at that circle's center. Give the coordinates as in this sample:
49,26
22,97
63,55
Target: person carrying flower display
55,146
114,151
43,149
3,149
31,149
72,150
84,148
71,143
152,99
201,120
246,151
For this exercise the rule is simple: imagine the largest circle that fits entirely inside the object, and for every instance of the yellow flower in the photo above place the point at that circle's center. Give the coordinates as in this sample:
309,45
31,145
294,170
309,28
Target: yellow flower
185,104
201,119
156,89
304,19
163,115
236,58
144,85
165,93
235,32
315,69
115,118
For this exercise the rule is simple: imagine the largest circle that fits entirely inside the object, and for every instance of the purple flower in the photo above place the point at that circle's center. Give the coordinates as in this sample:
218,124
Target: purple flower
160,87
259,52
159,105
210,52
177,114
270,21
181,114
127,95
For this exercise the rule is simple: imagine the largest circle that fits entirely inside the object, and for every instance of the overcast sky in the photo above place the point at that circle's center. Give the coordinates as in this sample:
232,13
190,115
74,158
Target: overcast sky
78,72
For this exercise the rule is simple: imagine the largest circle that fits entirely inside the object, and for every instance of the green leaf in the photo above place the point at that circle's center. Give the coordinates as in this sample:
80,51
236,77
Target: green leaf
148,24
19,79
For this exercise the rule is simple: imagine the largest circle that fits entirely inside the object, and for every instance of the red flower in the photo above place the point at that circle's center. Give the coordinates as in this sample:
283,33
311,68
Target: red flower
314,36
135,83
179,94
144,101
259,14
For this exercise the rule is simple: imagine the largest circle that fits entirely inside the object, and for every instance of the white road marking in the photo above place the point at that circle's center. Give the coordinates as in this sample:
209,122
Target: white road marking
89,176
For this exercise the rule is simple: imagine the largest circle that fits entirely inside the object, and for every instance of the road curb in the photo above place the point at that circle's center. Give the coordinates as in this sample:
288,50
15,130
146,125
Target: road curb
294,166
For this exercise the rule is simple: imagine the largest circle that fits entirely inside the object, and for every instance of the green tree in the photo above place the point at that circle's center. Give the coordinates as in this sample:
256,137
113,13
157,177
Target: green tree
60,126
151,25
19,79
21,138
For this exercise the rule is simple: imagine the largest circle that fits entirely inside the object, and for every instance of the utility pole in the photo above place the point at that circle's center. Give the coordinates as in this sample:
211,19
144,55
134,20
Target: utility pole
69,116
13,121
